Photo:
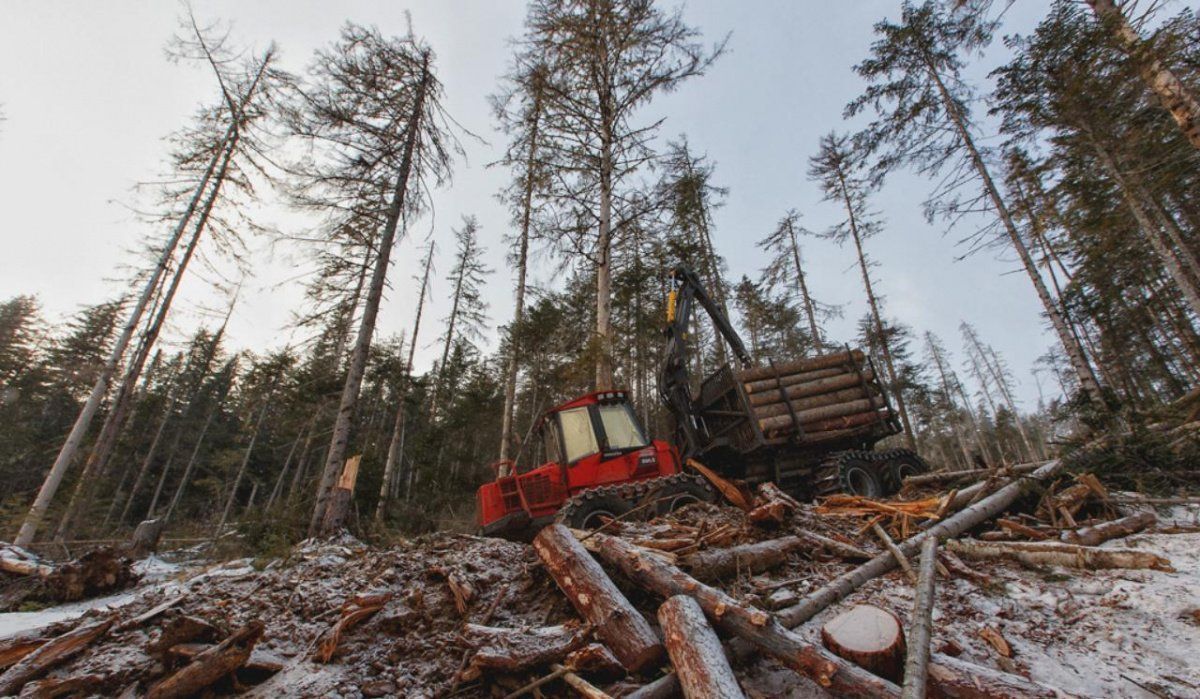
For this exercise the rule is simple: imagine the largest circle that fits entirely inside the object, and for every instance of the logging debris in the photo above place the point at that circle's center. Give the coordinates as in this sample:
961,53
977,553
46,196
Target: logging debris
472,617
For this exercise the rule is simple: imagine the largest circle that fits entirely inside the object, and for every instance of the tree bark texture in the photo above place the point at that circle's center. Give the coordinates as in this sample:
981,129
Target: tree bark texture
696,652
597,599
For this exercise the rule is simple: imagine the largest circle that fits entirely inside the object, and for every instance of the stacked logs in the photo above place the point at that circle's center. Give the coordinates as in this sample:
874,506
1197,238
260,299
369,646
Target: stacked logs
827,395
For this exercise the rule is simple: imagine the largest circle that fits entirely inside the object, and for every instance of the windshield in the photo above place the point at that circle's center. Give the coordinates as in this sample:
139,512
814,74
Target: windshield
620,427
578,438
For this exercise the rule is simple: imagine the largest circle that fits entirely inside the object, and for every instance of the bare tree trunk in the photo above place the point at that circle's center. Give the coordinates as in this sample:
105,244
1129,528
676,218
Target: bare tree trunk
910,437
83,421
1175,96
938,362
1153,234
1001,387
287,462
809,308
1087,380
115,420
604,329
396,445
358,360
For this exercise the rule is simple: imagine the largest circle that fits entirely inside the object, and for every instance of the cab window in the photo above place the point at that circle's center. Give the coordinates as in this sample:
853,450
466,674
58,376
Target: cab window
621,429
579,440
550,442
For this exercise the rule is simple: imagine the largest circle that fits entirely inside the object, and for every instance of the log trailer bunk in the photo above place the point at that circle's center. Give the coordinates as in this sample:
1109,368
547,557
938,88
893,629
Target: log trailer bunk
810,426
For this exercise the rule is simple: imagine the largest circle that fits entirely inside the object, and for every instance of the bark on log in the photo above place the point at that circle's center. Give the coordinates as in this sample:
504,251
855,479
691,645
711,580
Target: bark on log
210,665
951,476
758,627
1059,554
801,365
770,384
182,629
823,416
622,628
841,586
812,388
695,651
835,547
50,654
755,558
14,648
80,685
896,552
513,650
916,665
846,395
869,637
773,505
595,658
1117,528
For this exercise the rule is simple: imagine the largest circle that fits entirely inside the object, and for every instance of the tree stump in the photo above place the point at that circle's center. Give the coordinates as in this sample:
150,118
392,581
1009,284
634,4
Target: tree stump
869,637
145,538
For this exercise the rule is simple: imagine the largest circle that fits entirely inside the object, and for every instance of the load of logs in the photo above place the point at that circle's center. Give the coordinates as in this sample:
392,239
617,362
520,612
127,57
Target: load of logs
822,397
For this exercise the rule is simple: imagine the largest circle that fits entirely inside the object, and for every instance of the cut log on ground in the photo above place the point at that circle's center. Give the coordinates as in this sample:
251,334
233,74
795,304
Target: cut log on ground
841,586
1058,554
182,629
595,658
896,552
974,473
713,564
14,648
513,650
841,549
18,561
868,636
836,675
916,664
81,685
210,665
622,628
695,651
51,654
1115,529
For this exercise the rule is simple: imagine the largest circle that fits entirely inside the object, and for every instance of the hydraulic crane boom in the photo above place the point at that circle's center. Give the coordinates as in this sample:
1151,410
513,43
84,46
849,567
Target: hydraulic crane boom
674,379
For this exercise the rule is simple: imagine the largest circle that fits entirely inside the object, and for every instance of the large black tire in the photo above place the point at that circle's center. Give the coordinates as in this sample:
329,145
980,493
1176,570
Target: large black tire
850,472
591,508
682,489
897,464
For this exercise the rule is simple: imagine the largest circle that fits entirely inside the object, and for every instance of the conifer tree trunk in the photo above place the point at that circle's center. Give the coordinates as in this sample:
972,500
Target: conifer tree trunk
97,461
395,452
283,471
1174,95
910,438
604,327
1087,380
510,374
936,355
103,381
1153,234
187,470
358,358
809,309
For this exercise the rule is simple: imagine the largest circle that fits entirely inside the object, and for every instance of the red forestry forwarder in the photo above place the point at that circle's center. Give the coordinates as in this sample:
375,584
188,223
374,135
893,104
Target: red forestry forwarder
809,425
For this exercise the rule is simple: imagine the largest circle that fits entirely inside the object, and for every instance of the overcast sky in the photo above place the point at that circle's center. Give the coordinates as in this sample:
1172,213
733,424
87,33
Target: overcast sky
89,97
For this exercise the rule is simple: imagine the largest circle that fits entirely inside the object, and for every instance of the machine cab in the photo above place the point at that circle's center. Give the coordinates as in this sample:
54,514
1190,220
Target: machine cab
592,441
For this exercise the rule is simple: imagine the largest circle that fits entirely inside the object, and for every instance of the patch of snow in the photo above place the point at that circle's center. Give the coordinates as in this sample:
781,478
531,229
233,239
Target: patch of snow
14,623
154,569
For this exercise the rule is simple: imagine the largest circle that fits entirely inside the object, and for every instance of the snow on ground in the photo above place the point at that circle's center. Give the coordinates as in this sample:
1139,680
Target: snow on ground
16,622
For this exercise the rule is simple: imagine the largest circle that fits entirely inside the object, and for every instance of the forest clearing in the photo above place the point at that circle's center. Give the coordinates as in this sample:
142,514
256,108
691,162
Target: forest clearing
696,457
